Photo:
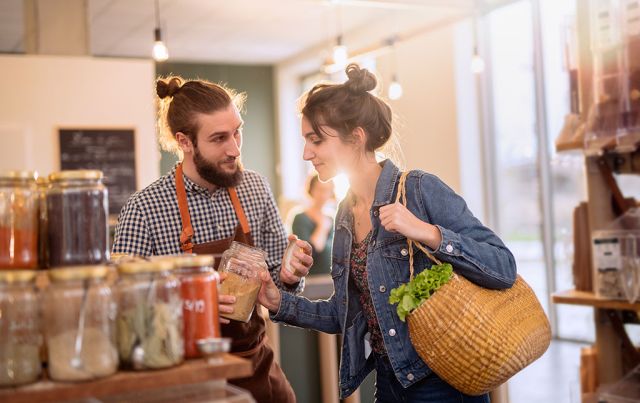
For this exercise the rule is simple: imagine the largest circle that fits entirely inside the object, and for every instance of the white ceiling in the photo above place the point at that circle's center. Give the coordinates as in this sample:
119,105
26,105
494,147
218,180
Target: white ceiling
234,31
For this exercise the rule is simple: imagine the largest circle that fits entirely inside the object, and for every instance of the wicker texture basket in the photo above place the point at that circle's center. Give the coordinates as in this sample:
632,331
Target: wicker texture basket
476,338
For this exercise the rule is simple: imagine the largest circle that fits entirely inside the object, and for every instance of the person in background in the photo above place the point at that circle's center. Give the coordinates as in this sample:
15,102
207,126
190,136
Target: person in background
204,204
315,226
343,126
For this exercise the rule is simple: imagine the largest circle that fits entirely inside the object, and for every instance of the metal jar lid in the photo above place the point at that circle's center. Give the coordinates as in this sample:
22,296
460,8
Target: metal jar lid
134,267
84,174
17,276
184,261
78,272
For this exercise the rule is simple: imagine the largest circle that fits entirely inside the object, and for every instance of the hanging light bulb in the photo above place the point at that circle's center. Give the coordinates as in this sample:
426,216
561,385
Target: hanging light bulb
340,54
160,52
395,89
477,63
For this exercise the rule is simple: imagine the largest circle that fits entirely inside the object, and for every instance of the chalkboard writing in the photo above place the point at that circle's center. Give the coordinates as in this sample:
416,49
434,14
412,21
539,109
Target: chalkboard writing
111,151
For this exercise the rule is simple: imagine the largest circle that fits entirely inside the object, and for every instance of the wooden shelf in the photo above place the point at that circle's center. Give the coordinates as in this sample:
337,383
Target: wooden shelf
192,371
573,297
570,146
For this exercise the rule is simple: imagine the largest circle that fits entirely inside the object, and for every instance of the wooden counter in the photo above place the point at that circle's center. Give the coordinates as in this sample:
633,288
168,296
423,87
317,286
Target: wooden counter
191,372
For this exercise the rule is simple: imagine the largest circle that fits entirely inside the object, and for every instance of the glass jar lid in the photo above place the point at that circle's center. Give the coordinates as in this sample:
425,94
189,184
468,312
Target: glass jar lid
19,175
17,276
42,181
133,267
183,261
80,174
78,272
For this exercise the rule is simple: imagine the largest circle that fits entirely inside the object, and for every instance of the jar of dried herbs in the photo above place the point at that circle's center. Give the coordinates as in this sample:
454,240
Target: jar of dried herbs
79,312
77,211
149,324
20,331
18,220
241,264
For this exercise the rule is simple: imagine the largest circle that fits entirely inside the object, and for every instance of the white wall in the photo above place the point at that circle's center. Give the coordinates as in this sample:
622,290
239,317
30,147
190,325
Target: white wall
44,93
425,115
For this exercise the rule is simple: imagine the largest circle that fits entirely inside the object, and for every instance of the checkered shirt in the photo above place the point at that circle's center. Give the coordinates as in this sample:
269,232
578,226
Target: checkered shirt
150,224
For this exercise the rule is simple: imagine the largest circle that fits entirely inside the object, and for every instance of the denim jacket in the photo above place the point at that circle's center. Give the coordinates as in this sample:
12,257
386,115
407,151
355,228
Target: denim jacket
474,251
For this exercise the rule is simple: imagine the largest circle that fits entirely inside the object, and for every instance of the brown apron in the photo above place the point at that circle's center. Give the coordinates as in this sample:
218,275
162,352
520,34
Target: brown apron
268,383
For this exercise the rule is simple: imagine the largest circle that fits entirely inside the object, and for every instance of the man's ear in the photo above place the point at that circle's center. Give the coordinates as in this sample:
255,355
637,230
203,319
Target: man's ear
184,142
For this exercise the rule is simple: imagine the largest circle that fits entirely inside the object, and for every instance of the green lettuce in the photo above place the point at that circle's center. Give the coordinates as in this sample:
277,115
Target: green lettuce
409,296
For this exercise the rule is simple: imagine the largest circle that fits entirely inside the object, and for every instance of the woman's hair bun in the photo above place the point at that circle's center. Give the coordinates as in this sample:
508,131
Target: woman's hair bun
168,87
360,80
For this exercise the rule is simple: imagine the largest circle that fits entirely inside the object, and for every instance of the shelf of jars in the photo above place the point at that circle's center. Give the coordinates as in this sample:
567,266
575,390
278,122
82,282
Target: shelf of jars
192,371
75,324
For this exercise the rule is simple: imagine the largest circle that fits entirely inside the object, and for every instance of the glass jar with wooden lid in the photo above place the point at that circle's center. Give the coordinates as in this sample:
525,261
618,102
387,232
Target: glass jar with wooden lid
18,220
20,330
79,312
77,213
149,323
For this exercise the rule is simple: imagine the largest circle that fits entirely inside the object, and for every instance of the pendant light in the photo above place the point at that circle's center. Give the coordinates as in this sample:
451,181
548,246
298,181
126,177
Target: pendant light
395,88
340,52
160,51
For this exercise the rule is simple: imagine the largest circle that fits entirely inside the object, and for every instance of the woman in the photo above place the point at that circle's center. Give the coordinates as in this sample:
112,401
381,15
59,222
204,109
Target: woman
314,226
343,125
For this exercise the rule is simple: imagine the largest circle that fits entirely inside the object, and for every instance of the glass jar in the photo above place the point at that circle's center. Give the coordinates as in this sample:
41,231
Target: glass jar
150,315
42,184
20,332
77,211
18,220
79,313
241,265
199,284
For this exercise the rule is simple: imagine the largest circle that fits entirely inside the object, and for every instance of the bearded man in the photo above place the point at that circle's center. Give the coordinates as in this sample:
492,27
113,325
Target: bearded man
207,201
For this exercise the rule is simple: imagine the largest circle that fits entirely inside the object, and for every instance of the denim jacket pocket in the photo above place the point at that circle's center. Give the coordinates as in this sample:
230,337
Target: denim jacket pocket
396,261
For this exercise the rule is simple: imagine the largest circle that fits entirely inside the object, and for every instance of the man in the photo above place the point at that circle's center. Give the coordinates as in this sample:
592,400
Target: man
206,202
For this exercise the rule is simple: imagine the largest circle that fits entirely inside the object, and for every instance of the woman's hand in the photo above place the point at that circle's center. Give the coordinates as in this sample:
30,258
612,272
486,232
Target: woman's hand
300,263
269,295
225,302
397,218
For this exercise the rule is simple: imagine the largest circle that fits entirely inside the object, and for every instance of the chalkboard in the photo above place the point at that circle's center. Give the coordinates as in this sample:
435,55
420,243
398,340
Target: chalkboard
111,151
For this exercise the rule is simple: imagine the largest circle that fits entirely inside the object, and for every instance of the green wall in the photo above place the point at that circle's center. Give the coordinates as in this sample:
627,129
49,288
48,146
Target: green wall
259,138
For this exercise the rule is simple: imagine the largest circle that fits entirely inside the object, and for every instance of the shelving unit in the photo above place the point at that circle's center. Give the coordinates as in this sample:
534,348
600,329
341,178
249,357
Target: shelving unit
191,372
616,355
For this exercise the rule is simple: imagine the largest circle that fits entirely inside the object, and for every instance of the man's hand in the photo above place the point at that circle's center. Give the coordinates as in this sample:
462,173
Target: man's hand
300,263
225,302
269,295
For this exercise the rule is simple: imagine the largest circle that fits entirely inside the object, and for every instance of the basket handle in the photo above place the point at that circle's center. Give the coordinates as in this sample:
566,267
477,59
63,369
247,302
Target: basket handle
401,197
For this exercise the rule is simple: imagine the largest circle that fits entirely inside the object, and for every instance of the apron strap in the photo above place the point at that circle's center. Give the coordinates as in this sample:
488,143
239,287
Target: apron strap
237,206
186,236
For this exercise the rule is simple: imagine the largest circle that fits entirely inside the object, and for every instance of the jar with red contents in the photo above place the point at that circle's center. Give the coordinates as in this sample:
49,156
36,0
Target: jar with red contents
18,220
199,290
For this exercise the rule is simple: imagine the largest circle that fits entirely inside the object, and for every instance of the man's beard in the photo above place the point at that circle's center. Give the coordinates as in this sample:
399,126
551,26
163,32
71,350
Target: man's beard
214,175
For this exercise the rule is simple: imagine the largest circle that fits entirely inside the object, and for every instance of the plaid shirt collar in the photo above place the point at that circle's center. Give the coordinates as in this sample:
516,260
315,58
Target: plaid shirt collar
192,187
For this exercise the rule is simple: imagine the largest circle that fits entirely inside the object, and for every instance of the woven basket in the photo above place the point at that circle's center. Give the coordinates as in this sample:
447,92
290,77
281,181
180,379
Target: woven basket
473,337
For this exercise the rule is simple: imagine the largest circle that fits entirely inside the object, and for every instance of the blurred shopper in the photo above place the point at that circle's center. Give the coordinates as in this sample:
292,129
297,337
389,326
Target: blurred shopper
315,226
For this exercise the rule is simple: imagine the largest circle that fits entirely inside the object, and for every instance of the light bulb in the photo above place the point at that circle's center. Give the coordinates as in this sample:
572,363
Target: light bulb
340,55
477,64
395,90
160,51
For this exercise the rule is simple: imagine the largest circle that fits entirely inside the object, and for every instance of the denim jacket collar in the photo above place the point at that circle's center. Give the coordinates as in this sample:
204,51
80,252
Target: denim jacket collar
385,187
